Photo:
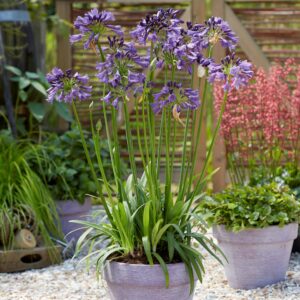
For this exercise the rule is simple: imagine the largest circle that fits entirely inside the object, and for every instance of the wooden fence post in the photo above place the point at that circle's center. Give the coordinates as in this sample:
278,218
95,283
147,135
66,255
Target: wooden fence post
63,47
219,152
198,15
64,57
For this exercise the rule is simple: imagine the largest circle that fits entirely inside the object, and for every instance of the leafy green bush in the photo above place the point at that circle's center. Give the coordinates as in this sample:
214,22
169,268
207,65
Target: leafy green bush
244,207
65,169
288,174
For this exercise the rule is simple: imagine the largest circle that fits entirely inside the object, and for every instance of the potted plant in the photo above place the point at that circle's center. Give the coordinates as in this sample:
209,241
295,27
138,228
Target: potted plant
149,240
26,205
68,176
255,227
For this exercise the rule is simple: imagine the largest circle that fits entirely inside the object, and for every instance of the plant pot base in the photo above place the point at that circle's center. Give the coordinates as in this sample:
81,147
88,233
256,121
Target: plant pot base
256,257
145,282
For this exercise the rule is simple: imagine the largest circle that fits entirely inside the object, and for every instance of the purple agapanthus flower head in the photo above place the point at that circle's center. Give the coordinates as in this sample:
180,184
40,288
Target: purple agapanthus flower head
174,95
213,31
154,27
92,25
67,87
234,72
121,71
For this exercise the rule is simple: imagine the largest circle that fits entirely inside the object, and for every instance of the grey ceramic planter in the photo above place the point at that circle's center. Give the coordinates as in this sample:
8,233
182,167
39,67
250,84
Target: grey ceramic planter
72,210
256,257
145,282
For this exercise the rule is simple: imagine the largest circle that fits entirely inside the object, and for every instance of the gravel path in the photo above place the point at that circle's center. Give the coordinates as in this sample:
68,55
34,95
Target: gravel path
72,281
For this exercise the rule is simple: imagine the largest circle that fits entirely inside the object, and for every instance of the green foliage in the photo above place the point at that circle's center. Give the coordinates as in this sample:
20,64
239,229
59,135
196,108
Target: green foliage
245,207
32,90
64,167
25,200
150,231
288,175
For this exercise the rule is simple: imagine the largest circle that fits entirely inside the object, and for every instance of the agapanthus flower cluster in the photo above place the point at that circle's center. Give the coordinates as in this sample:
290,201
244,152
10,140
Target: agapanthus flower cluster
156,27
93,25
68,87
173,95
233,72
121,71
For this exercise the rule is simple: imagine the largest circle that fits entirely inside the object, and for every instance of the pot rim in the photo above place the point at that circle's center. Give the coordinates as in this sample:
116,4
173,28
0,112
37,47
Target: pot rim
269,234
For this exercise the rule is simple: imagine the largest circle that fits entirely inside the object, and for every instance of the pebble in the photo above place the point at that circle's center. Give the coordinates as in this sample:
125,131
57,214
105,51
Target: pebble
72,281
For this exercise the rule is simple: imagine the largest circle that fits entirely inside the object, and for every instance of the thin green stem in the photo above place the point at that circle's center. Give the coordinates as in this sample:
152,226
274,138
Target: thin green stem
86,151
130,143
98,156
223,106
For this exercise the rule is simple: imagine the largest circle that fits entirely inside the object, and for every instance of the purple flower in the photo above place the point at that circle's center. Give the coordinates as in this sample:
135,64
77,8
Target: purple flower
235,72
121,71
173,95
93,25
154,27
66,87
213,31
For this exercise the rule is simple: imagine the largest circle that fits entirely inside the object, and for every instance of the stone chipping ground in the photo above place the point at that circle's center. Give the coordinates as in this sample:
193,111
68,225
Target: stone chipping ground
72,281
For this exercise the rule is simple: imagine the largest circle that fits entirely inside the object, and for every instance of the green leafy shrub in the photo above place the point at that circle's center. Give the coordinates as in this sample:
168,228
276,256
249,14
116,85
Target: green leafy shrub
65,169
244,207
288,174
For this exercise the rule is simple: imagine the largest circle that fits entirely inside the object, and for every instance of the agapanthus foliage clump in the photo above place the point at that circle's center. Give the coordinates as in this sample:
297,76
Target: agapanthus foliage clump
261,123
148,222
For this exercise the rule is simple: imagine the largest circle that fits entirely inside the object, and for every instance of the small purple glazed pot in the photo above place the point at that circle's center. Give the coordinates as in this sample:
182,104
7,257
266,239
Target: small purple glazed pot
72,210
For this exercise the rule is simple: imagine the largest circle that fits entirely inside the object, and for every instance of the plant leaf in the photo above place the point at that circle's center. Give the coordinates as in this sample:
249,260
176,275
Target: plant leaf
23,83
38,110
14,70
39,87
63,111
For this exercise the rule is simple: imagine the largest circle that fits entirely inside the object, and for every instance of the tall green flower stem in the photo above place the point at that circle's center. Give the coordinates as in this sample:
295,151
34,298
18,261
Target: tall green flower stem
130,143
199,127
96,140
210,149
114,152
96,181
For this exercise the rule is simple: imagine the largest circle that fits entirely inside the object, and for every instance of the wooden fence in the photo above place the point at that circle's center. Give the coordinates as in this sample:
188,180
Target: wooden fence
267,30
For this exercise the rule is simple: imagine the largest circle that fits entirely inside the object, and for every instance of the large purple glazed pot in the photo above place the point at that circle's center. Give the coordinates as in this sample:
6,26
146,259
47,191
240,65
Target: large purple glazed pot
256,257
72,210
145,282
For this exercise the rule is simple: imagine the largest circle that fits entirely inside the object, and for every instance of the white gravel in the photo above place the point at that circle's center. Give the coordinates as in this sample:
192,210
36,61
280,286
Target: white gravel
72,281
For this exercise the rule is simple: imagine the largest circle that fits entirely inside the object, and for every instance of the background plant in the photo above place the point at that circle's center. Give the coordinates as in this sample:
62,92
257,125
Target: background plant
243,207
31,91
25,200
148,223
64,169
261,124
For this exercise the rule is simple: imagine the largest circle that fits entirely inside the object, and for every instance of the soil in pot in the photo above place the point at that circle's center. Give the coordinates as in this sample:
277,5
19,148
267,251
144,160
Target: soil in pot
72,210
144,282
256,257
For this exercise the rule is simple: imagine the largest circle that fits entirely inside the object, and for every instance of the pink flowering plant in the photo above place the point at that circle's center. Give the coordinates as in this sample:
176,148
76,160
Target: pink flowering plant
261,126
147,222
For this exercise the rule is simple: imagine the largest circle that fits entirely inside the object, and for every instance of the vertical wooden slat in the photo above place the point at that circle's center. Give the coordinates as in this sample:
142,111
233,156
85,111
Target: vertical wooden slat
198,16
64,54
219,154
